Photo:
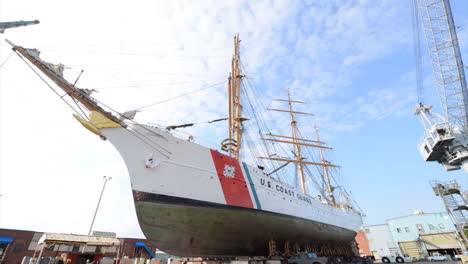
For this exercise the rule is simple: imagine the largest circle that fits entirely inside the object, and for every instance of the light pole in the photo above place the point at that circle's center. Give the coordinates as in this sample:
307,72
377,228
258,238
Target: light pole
99,202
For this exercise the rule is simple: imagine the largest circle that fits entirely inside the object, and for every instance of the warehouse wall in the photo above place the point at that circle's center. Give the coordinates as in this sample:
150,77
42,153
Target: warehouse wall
363,245
408,228
380,240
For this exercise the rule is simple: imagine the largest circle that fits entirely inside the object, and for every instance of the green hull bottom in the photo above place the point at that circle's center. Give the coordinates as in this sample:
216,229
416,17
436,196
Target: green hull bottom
185,227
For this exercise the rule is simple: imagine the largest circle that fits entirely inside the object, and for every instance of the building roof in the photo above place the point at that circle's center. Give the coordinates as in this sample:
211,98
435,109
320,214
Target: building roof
71,239
373,226
441,213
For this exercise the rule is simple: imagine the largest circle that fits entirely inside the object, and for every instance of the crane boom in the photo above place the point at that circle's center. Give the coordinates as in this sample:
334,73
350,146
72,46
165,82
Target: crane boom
13,24
447,65
446,135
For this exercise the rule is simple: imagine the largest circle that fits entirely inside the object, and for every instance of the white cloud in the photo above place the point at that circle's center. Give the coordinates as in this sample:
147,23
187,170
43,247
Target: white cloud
53,167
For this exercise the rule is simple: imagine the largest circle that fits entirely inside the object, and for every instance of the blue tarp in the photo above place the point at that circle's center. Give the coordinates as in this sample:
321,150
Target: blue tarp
143,245
6,240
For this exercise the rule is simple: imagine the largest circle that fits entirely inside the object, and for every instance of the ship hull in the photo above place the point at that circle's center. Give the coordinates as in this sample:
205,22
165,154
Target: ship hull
195,201
186,227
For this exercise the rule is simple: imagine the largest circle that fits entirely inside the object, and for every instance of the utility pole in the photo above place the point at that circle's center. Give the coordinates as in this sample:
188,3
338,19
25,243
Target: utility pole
106,179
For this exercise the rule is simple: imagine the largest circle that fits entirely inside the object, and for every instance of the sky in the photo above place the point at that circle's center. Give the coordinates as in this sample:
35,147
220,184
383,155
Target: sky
351,61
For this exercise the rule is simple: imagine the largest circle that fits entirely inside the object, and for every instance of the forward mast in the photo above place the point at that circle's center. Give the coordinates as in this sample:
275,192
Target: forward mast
232,144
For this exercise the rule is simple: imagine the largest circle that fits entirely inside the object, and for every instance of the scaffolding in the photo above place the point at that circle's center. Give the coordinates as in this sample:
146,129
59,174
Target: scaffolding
455,203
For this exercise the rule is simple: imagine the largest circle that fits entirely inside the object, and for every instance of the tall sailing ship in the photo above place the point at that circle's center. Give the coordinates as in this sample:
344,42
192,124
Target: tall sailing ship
195,201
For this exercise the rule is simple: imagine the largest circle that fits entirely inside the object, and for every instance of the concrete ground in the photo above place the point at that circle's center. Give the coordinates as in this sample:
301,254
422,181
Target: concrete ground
439,262
433,262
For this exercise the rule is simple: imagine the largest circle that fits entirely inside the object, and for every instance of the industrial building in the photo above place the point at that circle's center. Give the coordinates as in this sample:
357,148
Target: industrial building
380,240
418,235
15,245
363,245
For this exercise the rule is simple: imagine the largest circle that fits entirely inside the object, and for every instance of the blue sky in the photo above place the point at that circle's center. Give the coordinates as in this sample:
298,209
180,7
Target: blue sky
352,61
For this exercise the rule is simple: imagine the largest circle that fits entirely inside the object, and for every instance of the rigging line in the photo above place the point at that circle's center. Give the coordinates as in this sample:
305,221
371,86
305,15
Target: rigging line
51,87
96,101
141,85
351,197
261,126
312,153
244,91
182,95
79,107
185,117
417,51
136,54
133,122
315,183
209,141
145,72
137,124
317,186
134,133
265,128
1,65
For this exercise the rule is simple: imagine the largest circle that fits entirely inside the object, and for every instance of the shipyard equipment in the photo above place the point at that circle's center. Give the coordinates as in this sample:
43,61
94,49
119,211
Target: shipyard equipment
455,202
446,135
13,24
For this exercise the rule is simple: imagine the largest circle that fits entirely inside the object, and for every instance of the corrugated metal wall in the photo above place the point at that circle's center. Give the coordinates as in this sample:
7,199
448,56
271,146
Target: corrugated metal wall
412,248
442,240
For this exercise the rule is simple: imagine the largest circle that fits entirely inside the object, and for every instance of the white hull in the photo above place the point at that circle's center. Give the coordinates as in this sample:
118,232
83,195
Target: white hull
159,163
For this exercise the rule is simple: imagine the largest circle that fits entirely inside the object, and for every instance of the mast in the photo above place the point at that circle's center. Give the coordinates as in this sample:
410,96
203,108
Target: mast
233,143
295,140
297,146
325,169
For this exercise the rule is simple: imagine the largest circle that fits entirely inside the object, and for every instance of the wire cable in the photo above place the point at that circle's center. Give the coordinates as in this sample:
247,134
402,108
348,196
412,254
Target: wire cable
417,51
1,65
50,86
182,95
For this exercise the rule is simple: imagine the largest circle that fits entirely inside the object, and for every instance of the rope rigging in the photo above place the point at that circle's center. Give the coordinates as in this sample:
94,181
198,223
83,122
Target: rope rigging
136,54
135,133
281,170
61,97
417,51
179,96
4,62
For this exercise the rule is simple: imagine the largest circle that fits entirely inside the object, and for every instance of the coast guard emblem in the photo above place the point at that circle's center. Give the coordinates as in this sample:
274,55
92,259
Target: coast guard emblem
229,171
